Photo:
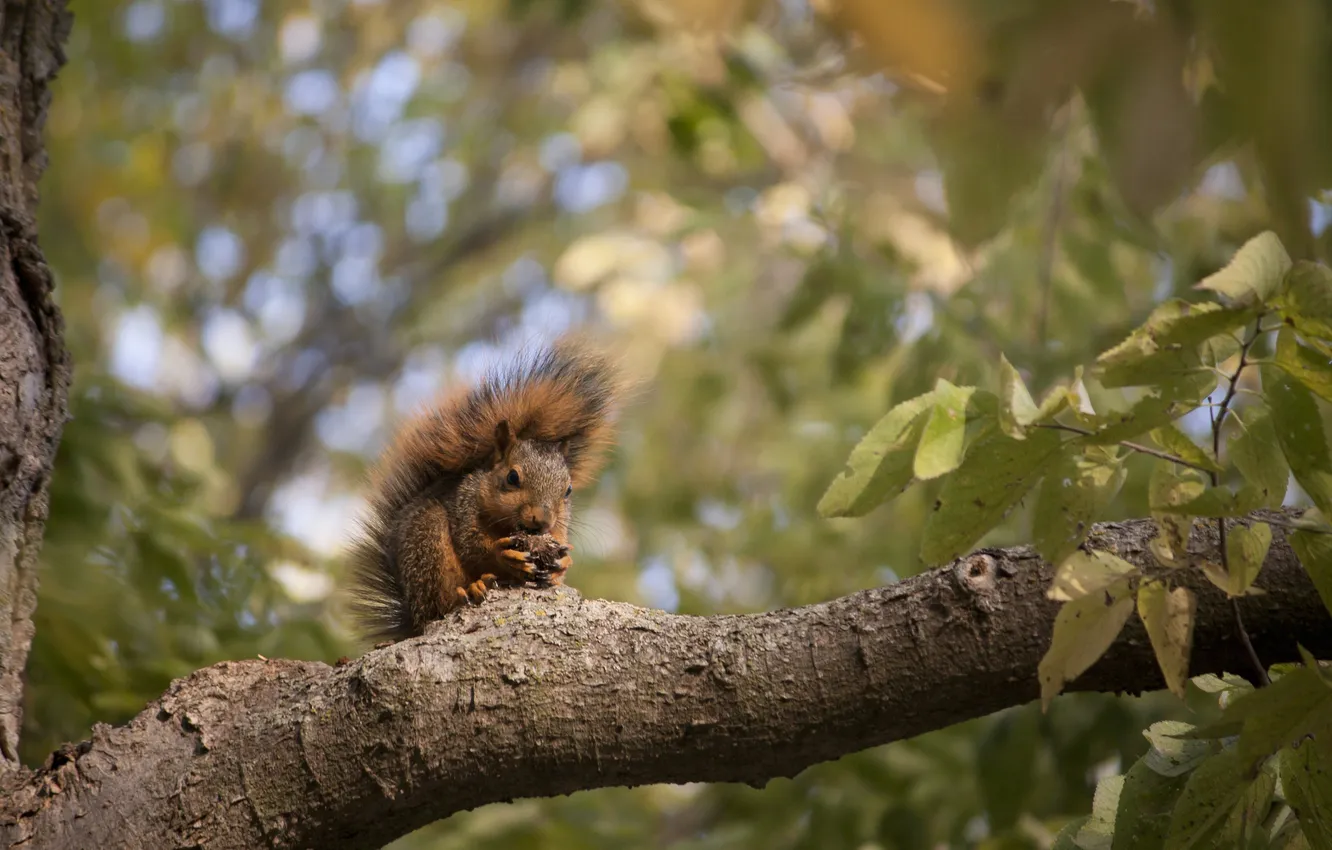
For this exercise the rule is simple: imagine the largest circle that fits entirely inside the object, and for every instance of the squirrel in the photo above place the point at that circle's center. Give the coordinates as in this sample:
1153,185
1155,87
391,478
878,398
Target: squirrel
476,492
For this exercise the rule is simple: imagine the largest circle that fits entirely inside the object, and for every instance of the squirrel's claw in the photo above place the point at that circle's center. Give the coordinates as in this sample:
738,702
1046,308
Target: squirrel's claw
476,592
556,576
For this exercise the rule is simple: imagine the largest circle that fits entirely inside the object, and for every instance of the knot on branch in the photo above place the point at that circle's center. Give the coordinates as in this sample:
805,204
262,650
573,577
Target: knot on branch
977,573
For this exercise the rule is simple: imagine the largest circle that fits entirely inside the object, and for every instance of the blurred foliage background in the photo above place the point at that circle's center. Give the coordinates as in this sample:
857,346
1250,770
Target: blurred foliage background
280,226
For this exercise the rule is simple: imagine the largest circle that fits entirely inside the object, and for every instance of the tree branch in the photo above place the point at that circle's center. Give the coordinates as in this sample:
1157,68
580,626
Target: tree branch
540,693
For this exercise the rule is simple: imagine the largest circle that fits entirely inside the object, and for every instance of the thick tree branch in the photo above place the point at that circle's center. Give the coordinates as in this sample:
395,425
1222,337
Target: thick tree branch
539,693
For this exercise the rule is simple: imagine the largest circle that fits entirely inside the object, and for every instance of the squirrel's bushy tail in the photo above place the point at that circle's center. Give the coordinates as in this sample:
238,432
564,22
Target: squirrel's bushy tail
378,600
567,392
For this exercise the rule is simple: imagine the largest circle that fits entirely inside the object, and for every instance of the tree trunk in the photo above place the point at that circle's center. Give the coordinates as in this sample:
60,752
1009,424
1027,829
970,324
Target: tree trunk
34,366
539,693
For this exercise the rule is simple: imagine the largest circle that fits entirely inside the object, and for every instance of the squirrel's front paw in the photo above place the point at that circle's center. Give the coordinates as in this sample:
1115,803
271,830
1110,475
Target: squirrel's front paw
534,557
513,560
560,561
475,593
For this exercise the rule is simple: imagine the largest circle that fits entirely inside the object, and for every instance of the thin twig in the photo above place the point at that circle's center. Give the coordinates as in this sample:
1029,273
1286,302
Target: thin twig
1218,422
1248,644
1137,447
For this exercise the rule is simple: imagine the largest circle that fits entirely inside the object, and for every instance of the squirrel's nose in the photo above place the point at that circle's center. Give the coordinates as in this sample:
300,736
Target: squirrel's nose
535,520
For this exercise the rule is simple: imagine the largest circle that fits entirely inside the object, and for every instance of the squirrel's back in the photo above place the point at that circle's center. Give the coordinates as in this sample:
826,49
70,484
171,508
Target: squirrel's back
565,393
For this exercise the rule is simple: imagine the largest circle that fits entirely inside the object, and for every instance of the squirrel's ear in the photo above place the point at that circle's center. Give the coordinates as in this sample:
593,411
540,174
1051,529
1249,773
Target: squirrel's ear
503,438
563,448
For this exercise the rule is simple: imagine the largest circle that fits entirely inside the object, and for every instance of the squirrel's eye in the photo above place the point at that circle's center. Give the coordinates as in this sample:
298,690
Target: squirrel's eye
512,478
568,491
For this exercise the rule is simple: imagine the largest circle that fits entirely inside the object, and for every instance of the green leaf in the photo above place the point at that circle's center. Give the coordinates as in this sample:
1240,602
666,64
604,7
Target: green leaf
1147,414
1246,549
1172,486
1067,837
1307,301
1177,443
1299,429
1061,398
1016,407
943,442
1245,827
1297,704
1184,491
1311,368
1314,549
1170,545
1169,618
1179,323
1099,831
1311,520
1219,502
1075,491
1179,372
1225,581
1218,350
1145,803
1254,274
1184,324
1313,664
1006,760
1306,781
1084,629
1083,573
880,466
1287,834
1212,684
1172,755
1165,349
1209,796
996,473
1257,454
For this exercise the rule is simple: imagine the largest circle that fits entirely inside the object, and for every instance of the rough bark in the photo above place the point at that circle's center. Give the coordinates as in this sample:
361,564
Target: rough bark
34,368
539,693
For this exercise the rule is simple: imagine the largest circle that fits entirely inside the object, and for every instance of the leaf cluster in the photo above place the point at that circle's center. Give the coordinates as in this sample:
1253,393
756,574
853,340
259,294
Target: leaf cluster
1260,776
1256,360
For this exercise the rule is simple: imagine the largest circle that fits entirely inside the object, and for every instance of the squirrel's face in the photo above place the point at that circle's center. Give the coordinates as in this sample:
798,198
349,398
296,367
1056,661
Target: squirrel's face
527,488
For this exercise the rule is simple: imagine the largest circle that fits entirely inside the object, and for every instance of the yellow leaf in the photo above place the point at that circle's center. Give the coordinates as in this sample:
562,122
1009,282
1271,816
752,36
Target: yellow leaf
1084,572
1016,408
1225,582
1216,574
1169,544
1246,549
1083,631
1169,617
933,40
